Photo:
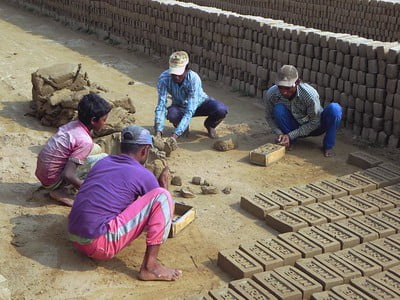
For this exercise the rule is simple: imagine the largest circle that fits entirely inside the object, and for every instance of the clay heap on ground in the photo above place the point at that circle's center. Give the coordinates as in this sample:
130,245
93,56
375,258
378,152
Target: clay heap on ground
58,89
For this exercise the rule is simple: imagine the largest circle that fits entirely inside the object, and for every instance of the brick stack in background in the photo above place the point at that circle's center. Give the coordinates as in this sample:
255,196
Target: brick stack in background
246,51
377,20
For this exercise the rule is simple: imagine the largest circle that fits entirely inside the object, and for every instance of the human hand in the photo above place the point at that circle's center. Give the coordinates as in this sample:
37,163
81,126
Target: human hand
164,177
283,139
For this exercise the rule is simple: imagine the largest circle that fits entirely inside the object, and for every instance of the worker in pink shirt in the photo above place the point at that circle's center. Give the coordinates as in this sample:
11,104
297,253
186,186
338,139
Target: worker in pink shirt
69,147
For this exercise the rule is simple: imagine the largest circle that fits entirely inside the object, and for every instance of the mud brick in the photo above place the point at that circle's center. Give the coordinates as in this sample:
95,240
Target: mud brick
374,223
360,204
381,203
319,272
377,180
373,288
360,184
346,238
277,285
347,291
339,266
326,242
395,270
387,245
363,232
333,189
388,194
363,264
300,243
301,197
394,189
345,209
250,289
395,238
331,214
306,284
388,280
225,293
316,192
268,259
363,160
200,297
391,167
390,176
282,200
283,250
284,221
308,215
388,218
382,258
258,205
327,295
237,263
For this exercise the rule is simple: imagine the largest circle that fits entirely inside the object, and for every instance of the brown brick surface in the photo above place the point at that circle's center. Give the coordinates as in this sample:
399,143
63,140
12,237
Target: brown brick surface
375,177
362,263
310,216
258,205
363,160
346,238
388,245
388,218
387,194
319,272
319,194
374,199
282,200
347,291
300,243
341,267
377,255
268,259
388,280
326,242
225,293
283,250
365,207
284,221
306,284
342,207
331,214
250,289
333,189
327,295
355,184
278,286
237,263
382,228
373,288
300,196
363,232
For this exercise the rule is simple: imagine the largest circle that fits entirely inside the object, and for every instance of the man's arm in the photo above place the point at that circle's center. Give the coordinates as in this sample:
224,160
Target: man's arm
161,109
269,107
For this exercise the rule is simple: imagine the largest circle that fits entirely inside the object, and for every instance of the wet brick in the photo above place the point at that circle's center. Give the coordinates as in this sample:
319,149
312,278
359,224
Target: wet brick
283,250
331,188
373,288
388,280
268,259
316,192
250,289
301,197
363,232
302,244
281,200
347,291
341,267
326,242
363,264
377,255
346,238
342,207
284,221
308,215
374,199
331,214
225,293
382,228
238,264
363,160
258,205
355,201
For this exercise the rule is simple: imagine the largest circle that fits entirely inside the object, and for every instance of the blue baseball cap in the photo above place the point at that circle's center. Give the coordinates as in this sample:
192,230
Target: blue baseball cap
134,134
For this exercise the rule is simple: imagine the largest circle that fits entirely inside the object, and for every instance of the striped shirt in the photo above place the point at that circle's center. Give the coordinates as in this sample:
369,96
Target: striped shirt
305,108
188,95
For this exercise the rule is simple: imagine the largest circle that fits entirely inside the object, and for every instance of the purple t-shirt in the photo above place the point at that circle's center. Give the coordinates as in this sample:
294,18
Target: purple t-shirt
110,187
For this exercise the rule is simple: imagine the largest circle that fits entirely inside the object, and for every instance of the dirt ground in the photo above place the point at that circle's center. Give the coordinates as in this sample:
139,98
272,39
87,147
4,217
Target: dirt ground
35,255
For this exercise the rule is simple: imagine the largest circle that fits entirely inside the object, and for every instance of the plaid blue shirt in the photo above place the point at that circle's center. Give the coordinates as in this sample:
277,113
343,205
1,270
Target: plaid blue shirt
305,108
188,95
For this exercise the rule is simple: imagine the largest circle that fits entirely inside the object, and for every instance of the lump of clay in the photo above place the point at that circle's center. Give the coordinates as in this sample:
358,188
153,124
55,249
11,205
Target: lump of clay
226,144
197,180
186,193
209,189
176,180
227,190
170,144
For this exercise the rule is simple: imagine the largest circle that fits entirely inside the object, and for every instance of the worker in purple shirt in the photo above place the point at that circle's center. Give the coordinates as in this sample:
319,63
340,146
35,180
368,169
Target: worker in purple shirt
119,200
188,99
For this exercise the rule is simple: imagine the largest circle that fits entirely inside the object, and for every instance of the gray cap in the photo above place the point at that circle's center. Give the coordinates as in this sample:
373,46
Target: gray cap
287,76
134,134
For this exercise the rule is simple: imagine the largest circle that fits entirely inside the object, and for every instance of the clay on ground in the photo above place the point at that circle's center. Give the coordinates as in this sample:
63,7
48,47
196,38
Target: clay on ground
226,144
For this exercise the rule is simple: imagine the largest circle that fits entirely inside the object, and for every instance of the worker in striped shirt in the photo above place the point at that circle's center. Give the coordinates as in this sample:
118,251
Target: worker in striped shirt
293,110
188,99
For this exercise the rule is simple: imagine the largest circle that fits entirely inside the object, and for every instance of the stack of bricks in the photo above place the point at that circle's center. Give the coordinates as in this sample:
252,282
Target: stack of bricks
371,19
361,193
245,52
333,257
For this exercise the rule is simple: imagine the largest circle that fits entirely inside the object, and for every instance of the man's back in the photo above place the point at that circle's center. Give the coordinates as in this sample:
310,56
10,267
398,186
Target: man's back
111,185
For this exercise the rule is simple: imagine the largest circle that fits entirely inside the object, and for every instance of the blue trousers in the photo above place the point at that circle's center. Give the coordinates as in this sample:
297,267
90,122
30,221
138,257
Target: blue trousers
330,121
211,108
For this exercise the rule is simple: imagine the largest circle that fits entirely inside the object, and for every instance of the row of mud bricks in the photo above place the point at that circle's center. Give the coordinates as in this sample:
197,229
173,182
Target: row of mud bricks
245,52
377,20
340,240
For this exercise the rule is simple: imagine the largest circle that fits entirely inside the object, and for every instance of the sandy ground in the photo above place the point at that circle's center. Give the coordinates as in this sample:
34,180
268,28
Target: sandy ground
35,255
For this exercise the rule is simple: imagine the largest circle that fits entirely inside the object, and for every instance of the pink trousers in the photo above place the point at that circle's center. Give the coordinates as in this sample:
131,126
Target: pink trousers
152,212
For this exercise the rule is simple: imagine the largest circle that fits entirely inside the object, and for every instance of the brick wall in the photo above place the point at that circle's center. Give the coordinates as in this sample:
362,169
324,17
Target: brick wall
246,51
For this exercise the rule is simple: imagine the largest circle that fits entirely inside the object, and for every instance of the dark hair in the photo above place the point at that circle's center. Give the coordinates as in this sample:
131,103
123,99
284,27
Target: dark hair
92,106
131,148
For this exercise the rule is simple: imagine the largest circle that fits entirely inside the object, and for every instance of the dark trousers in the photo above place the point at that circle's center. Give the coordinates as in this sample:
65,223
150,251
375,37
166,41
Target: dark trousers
211,108
330,121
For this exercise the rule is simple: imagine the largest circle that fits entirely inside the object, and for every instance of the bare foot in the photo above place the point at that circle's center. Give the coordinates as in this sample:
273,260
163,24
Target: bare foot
329,152
159,272
62,196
